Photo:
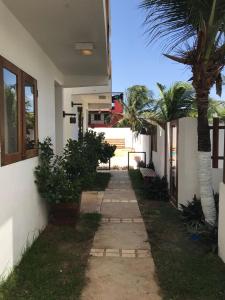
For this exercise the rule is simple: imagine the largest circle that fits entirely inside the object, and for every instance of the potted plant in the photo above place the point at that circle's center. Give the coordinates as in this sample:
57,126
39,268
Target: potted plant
54,185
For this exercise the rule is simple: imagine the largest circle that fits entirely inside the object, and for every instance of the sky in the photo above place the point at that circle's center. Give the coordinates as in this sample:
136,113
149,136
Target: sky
133,61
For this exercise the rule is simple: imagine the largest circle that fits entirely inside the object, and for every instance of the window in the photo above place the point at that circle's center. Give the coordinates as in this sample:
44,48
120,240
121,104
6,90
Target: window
18,114
30,115
97,117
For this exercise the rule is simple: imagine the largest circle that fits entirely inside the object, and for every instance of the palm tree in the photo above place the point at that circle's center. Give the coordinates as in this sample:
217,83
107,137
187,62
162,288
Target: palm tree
138,99
173,103
195,31
216,109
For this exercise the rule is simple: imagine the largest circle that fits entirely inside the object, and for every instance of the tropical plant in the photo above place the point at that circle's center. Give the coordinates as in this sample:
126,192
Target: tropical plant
195,31
173,103
60,179
216,109
82,157
157,189
138,99
51,177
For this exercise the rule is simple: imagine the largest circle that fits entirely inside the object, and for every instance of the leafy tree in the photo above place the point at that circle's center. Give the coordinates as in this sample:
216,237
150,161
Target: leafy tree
173,103
216,109
195,31
138,99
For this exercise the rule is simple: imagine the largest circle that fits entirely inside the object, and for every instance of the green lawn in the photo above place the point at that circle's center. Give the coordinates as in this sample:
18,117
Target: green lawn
186,270
54,267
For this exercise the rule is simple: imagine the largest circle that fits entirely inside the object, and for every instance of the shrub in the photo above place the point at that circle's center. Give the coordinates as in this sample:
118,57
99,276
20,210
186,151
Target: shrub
157,189
81,158
151,165
61,178
141,164
193,217
51,178
192,213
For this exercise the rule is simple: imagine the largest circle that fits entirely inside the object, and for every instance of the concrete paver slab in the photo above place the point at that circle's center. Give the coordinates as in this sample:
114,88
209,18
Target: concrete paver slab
91,201
116,278
121,236
120,210
120,265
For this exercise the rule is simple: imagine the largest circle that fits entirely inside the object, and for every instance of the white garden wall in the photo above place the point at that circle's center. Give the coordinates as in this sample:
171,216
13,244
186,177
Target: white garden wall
140,143
158,157
221,233
187,160
118,133
22,213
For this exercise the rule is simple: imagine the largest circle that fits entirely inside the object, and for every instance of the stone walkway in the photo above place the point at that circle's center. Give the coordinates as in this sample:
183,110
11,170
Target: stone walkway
120,265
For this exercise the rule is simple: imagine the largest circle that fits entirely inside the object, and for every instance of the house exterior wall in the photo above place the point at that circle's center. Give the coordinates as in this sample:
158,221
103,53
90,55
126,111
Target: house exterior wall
70,131
58,119
221,225
22,213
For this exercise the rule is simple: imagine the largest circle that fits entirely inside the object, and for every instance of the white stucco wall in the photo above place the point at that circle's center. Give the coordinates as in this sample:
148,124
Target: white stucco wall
142,144
132,142
187,160
158,157
22,213
118,133
58,119
70,131
221,233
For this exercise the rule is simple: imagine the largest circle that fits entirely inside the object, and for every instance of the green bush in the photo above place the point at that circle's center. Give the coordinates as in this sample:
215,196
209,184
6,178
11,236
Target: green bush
141,164
81,158
157,189
193,217
61,178
51,177
151,165
192,213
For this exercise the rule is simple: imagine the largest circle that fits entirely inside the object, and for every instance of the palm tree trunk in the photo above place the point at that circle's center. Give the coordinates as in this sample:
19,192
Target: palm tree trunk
204,158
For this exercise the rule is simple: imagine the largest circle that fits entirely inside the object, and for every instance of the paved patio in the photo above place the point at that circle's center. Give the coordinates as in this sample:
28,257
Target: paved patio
120,265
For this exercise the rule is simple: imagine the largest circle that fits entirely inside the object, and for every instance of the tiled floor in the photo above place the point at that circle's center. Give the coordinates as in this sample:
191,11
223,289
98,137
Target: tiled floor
120,265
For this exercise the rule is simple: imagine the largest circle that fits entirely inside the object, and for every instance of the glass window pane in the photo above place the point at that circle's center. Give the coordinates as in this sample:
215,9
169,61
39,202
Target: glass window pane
29,116
10,112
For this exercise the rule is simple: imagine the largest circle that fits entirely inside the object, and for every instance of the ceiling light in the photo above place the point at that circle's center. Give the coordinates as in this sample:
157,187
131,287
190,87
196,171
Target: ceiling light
86,52
85,49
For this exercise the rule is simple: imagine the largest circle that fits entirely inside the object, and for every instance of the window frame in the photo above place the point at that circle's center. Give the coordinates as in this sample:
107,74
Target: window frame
29,153
8,158
22,77
99,117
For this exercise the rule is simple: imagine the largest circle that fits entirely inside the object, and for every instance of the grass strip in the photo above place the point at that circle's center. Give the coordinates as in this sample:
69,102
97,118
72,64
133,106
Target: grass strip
186,269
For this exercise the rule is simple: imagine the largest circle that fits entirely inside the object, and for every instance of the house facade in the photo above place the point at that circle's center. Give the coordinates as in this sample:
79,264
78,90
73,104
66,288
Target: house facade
106,117
48,50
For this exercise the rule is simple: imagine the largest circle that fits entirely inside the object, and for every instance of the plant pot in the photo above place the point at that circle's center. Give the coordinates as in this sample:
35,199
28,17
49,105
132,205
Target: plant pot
64,213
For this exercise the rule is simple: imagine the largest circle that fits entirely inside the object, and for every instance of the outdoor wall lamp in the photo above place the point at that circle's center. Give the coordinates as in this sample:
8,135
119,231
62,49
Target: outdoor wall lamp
73,119
75,104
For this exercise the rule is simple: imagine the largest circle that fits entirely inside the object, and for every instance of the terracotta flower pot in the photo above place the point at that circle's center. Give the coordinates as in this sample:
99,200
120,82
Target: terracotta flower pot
64,213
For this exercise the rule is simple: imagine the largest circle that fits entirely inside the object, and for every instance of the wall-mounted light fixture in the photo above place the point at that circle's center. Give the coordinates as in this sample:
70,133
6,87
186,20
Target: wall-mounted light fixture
85,49
73,119
75,104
